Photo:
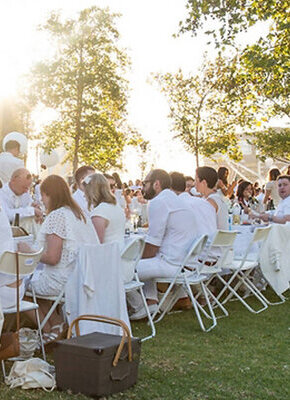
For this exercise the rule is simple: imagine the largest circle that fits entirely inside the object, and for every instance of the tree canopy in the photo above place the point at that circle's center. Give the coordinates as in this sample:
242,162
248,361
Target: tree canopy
85,84
263,68
205,115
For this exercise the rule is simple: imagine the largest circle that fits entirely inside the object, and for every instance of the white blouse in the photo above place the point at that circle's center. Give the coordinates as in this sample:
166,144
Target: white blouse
63,223
222,213
114,214
272,186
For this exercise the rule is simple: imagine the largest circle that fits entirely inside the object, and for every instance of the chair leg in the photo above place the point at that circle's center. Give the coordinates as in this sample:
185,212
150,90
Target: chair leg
40,334
150,320
254,287
196,306
234,292
3,369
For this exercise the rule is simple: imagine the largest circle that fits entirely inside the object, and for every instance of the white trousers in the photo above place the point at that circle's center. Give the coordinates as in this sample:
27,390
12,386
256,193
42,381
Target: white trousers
150,268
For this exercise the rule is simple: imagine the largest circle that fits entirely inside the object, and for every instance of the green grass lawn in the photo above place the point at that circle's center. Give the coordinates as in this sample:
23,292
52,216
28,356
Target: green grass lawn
246,356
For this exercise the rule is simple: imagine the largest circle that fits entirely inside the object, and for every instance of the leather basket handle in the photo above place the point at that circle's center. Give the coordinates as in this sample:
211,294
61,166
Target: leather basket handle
108,320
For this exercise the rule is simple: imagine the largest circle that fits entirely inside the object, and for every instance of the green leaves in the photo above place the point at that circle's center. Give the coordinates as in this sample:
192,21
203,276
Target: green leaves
209,109
84,83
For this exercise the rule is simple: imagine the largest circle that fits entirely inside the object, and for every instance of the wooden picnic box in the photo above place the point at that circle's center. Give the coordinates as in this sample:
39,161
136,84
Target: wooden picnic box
97,364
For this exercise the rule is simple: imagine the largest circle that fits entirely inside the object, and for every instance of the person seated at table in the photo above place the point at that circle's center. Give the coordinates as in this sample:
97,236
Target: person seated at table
205,182
15,198
282,214
7,282
244,194
63,230
204,213
107,216
79,195
170,234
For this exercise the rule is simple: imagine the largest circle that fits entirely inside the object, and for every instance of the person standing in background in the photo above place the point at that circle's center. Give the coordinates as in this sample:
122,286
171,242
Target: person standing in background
9,161
272,187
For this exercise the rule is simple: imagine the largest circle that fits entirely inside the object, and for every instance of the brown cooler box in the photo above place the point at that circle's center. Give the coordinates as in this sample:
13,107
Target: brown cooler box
97,364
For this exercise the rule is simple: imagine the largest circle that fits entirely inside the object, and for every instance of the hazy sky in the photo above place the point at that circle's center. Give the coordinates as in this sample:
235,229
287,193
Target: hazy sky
146,29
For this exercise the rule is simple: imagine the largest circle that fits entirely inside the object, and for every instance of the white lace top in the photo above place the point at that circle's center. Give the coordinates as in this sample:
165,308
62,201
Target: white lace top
63,223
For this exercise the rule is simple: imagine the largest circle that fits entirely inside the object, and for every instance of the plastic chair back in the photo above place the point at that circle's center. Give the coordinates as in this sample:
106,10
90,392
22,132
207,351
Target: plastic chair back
224,238
27,262
261,234
196,249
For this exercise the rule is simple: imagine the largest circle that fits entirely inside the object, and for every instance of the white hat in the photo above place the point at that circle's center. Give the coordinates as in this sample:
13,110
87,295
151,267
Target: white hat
17,137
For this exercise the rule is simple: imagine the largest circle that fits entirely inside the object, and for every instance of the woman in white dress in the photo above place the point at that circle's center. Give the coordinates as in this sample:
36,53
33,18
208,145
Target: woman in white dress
64,229
107,216
272,187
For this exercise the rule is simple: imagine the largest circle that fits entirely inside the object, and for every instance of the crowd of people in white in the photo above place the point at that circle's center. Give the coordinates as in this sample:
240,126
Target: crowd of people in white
176,209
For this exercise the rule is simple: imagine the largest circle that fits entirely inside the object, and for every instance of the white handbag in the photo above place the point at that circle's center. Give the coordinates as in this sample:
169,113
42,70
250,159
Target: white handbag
31,374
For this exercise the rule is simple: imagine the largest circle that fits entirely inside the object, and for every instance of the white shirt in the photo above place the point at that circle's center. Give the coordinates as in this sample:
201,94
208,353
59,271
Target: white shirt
114,214
80,198
204,214
14,204
171,226
272,186
283,208
222,214
74,232
6,241
8,164
6,244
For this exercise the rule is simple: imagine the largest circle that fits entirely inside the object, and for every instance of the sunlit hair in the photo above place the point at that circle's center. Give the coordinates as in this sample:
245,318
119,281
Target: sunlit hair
273,174
56,188
97,190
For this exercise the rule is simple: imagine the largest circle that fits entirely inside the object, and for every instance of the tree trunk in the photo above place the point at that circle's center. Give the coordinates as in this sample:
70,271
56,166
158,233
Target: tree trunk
80,88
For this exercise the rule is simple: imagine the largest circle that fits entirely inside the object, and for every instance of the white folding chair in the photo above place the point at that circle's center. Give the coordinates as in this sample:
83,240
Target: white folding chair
188,274
56,300
27,264
130,257
218,254
241,270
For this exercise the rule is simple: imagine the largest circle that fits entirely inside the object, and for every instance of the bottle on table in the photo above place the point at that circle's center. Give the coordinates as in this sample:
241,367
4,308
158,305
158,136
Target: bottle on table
236,214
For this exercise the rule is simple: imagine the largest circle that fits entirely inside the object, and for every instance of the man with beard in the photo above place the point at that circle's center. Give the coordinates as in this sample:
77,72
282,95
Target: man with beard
169,237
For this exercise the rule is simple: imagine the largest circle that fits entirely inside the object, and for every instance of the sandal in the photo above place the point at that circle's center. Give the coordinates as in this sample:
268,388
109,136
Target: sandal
57,332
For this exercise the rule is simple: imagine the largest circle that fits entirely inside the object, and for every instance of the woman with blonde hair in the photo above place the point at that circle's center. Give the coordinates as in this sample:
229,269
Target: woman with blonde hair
64,229
107,216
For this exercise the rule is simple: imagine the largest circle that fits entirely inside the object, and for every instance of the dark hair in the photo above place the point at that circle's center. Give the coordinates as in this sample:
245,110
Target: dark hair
284,177
208,174
118,181
177,181
189,178
81,172
242,186
221,173
12,144
162,176
273,174
56,188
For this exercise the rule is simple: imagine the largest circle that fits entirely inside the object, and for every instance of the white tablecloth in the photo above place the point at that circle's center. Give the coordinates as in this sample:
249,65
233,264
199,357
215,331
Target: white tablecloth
244,236
275,257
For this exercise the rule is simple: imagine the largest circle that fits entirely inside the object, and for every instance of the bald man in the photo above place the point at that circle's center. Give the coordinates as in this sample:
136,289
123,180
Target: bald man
16,199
